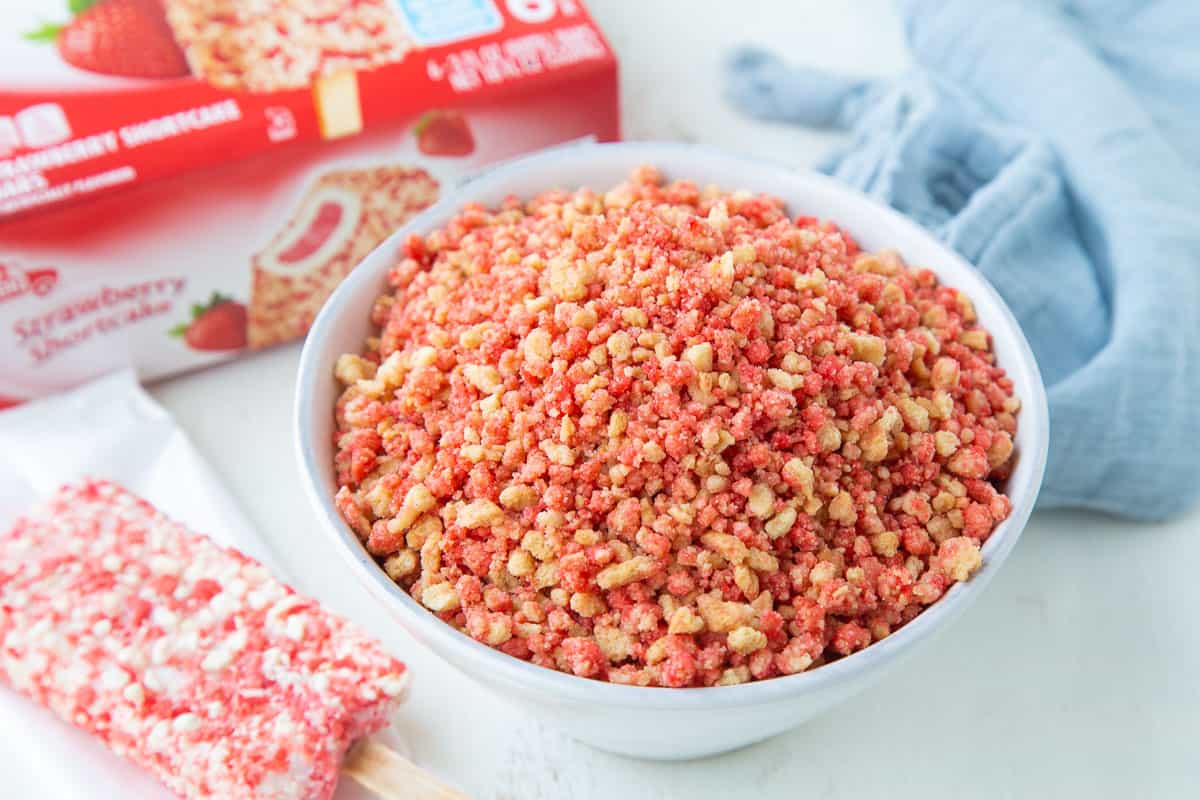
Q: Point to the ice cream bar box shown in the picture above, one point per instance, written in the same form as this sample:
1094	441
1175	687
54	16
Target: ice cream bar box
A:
184	181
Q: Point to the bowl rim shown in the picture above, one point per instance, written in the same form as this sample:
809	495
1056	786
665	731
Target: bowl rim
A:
556	685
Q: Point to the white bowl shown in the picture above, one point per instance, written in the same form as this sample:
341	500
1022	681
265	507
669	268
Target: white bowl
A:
655	722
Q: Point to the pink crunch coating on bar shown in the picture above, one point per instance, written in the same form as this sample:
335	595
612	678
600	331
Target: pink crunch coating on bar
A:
667	436
269	45
184	657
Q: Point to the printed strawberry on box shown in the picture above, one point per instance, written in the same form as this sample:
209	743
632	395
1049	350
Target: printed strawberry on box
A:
183	181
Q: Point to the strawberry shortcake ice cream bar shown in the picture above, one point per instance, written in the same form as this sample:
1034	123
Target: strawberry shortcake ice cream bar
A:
344	215
184	657
273	45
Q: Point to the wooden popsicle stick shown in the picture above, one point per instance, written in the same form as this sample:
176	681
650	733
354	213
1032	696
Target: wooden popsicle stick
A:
392	776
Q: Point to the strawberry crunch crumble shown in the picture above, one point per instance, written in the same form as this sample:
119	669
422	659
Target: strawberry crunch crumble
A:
184	657
667	436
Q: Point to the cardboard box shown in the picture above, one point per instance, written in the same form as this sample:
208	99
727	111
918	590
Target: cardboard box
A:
205	199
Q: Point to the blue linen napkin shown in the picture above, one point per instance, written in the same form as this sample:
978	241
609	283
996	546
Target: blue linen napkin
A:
1055	145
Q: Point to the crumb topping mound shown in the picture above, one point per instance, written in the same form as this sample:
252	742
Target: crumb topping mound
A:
669	436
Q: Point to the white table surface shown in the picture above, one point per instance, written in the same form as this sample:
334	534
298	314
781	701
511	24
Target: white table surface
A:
1076	675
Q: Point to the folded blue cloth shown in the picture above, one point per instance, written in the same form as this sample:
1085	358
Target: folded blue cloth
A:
1056	145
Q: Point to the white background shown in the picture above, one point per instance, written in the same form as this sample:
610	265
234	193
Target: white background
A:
1076	675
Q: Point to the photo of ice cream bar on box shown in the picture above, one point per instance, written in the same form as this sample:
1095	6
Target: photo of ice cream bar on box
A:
190	659
265	46
342	216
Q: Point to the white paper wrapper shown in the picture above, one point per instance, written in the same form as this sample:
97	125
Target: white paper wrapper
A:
110	429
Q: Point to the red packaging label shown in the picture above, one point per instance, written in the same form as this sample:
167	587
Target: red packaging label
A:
183	180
